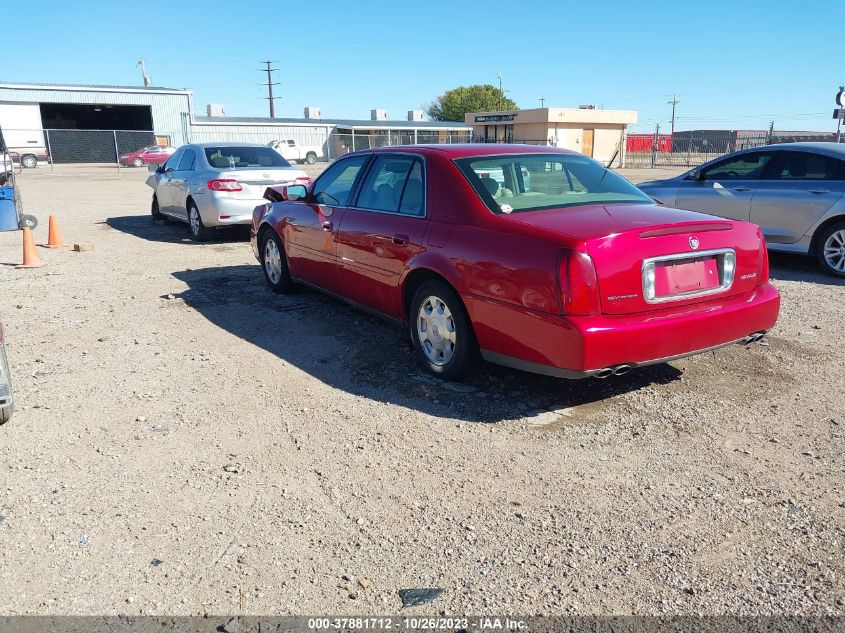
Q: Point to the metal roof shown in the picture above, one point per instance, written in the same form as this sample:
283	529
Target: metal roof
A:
96	87
362	124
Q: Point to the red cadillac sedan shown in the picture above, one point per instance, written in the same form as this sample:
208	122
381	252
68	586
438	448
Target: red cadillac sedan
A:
531	257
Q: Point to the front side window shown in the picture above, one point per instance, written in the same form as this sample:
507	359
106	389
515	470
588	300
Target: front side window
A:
808	166
393	184
335	185
234	157
531	182
746	167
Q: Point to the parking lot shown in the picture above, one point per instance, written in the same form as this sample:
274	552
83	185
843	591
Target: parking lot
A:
188	442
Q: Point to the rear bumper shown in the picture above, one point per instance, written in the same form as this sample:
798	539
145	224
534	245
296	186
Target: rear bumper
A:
218	211
579	347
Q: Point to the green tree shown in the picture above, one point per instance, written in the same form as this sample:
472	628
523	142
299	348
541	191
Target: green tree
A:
453	104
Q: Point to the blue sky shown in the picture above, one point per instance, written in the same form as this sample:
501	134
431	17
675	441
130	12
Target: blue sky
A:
732	64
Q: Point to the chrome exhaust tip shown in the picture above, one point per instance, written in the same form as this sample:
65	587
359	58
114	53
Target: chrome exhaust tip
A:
753	338
621	370
604	373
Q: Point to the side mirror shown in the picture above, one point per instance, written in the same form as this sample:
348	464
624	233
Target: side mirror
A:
285	193
153	168
695	175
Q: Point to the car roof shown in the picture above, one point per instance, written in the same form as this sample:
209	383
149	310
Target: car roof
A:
835	149
464	150
227	144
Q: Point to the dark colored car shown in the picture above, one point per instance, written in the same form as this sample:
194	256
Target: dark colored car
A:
574	272
152	155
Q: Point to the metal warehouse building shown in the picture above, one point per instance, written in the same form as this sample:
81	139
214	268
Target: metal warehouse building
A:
92	123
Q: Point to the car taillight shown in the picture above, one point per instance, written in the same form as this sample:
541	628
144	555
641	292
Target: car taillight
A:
579	288
224	184
303	180
762	263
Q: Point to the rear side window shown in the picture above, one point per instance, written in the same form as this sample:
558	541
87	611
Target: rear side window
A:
233	157
393	184
173	161
808	166
187	162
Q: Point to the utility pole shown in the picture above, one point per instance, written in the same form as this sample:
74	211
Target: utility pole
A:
147	80
270	85
673	103
542	102
501	92
771	132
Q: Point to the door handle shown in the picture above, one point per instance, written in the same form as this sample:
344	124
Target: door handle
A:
328	226
742	188
819	191
400	240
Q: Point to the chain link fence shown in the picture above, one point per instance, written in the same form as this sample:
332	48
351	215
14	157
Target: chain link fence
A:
694	147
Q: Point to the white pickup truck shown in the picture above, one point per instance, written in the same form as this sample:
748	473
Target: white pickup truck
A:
292	151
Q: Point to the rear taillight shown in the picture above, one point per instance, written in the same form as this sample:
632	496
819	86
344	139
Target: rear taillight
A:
303	180
762	263
579	288
224	184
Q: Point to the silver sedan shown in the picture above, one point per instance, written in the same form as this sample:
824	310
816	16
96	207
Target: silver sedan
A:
793	191
216	185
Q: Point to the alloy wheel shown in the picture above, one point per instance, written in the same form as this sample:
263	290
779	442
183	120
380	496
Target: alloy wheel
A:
272	261
436	330
834	251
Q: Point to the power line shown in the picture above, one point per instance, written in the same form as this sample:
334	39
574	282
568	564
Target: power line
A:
270	85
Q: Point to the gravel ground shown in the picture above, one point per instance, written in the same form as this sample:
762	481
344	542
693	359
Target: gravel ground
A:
188	442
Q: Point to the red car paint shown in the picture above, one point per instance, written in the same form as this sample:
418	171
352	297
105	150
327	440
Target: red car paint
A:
505	268
153	155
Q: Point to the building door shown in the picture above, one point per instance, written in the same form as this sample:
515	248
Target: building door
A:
587	142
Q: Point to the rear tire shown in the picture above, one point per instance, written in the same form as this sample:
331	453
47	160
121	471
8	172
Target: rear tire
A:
442	333
29	161
310	158
199	231
138	162
830	250
274	262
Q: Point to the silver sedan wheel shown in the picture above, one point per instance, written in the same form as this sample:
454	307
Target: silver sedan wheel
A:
195	221
834	251
436	330
272	261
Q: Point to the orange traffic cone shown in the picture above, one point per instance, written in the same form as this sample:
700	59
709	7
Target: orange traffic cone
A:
30	256
54	240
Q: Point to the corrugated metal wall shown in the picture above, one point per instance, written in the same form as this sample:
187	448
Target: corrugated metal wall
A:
168	109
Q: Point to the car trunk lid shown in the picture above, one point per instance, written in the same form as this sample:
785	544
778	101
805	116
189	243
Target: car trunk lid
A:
254	182
649	257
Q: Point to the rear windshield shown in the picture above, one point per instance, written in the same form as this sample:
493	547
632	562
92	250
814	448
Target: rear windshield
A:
532	182
244	157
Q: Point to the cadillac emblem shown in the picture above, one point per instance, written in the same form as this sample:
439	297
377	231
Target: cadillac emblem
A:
693	242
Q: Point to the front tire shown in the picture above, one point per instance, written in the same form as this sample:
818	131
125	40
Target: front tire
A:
28	222
830	250
29	161
138	162
274	262
199	231
155	211
442	333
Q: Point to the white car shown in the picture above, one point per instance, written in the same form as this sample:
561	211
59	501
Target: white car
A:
300	153
216	185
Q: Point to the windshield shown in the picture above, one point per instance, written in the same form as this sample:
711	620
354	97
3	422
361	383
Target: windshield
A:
244	157
532	182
